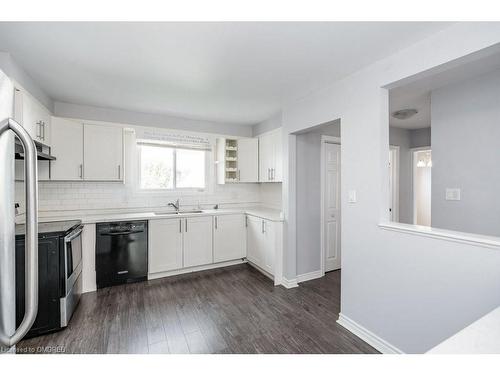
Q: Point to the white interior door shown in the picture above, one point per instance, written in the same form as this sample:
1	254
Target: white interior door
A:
332	206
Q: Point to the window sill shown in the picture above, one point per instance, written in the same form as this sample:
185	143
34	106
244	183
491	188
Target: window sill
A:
443	234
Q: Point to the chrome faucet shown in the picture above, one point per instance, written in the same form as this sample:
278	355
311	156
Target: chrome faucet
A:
175	205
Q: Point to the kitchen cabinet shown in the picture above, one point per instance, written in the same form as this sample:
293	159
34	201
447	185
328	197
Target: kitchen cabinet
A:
229	237
248	160
237	160
67	146
165	245
261	243
179	243
33	116
270	157
102	152
197	241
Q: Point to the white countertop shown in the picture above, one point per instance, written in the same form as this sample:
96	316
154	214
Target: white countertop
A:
90	217
481	337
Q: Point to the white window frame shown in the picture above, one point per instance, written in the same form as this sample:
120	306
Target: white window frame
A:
175	189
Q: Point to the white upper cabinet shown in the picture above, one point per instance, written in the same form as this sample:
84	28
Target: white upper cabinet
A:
102	152
197	241
270	157
237	160
67	147
229	237
248	160
33	116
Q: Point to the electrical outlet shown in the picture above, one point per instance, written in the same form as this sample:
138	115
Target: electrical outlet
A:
452	194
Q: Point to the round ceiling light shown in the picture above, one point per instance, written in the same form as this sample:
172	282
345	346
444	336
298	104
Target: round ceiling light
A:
404	114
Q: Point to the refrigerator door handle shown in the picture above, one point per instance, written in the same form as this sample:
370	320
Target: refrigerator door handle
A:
31	189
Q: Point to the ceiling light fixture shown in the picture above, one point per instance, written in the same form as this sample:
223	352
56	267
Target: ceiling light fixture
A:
404	114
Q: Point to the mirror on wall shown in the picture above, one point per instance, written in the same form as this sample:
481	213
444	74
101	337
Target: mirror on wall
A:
444	149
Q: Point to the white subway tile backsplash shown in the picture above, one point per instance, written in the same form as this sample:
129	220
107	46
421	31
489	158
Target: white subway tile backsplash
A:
61	196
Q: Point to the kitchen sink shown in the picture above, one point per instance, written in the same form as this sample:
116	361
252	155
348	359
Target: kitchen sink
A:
179	212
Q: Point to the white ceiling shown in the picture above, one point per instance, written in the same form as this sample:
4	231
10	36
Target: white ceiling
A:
231	72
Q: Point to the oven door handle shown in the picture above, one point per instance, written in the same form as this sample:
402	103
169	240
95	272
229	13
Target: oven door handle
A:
70	237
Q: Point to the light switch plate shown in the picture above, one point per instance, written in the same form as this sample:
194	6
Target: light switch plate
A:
452	194
352	196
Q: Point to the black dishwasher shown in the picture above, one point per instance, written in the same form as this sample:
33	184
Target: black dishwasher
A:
121	253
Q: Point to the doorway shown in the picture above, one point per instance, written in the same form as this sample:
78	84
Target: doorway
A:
330	203
422	178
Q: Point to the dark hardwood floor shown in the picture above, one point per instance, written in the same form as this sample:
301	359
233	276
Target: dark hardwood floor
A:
229	310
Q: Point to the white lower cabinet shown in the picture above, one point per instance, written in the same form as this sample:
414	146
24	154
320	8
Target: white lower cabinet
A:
261	243
165	245
197	241
179	243
229	237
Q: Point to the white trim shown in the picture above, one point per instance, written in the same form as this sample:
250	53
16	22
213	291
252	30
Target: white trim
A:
413	180
395	180
443	234
367	336
289	283
336	140
159	275
261	270
310	276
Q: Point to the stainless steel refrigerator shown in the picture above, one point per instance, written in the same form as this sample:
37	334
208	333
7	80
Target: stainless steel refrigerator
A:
9	334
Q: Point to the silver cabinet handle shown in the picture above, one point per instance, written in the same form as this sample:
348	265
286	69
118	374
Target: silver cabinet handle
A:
31	191
119	171
246	221
180	225
269	174
81	170
272	174
43	130
39	130
239	175
186	225
216	223
262	226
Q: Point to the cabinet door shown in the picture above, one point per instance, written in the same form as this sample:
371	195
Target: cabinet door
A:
254	240
102	153
33	116
229	237
197	241
268	246
277	168
67	146
266	155
248	160
165	245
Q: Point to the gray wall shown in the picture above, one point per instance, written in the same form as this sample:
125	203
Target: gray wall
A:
148	119
407	289
309	197
15	72
466	155
407	139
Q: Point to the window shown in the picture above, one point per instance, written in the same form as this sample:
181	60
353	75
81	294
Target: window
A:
170	168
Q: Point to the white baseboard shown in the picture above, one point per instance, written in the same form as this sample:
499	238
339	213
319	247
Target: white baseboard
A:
367	336
309	276
160	275
292	283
